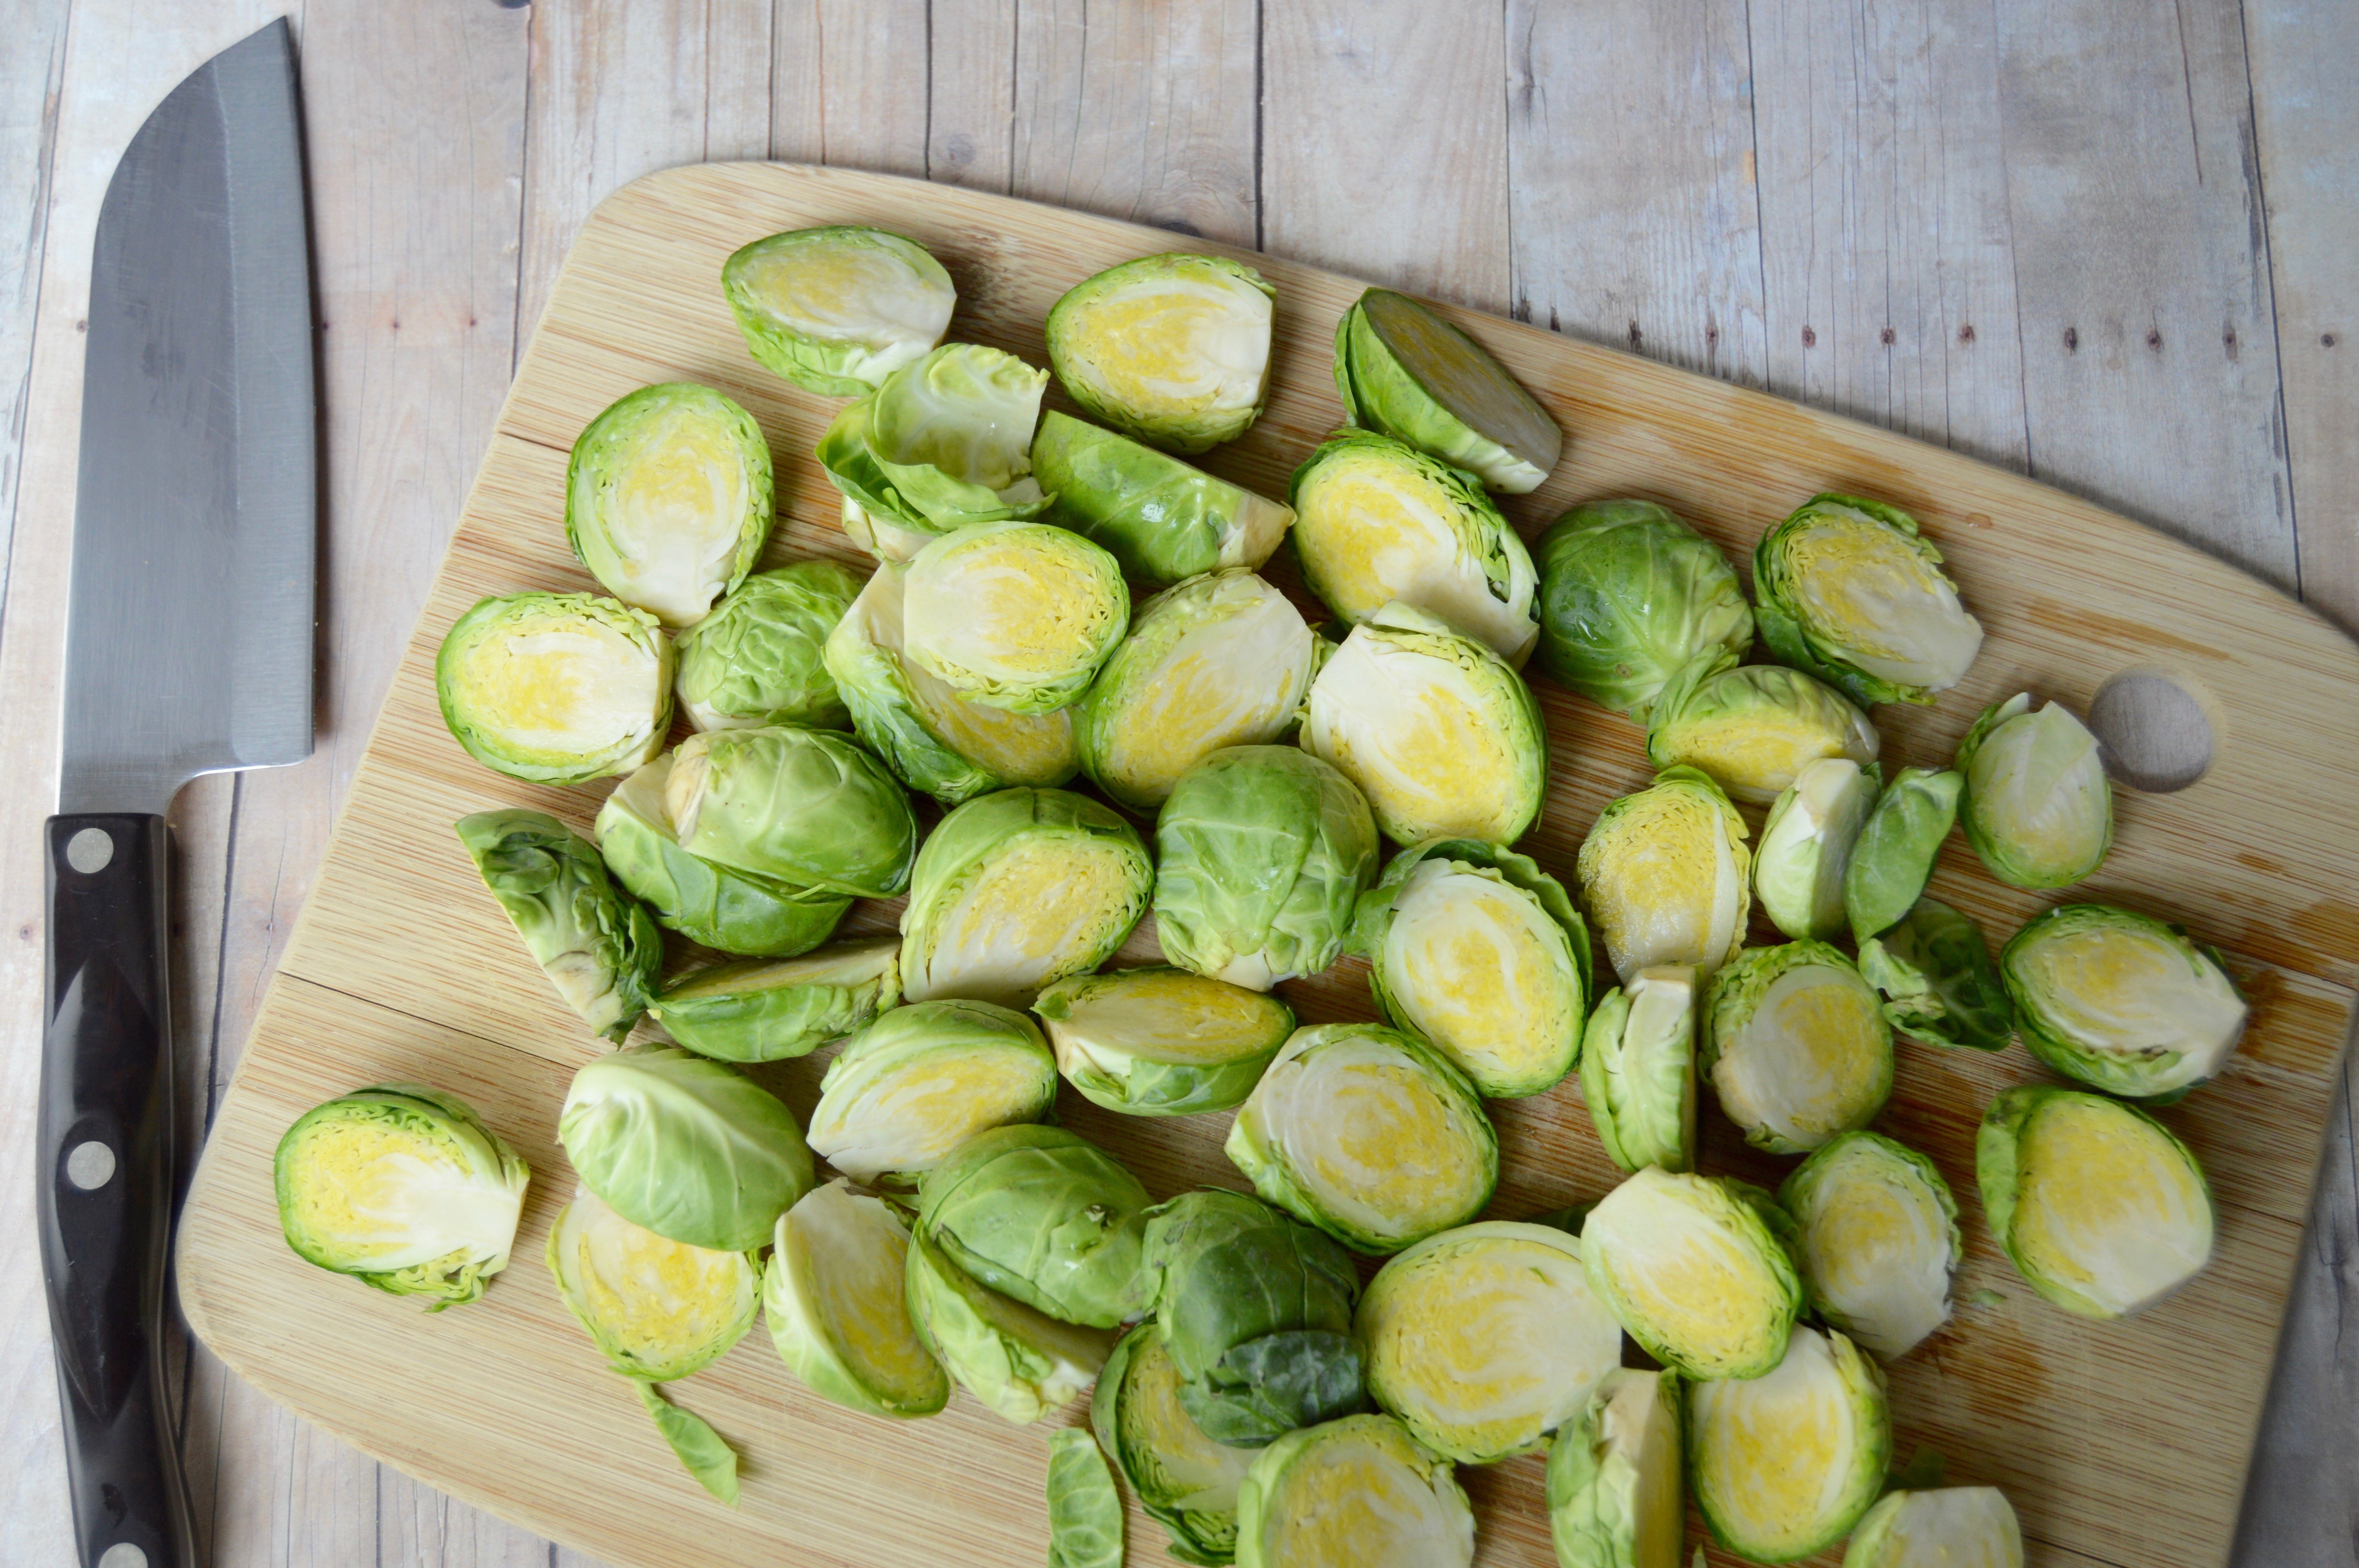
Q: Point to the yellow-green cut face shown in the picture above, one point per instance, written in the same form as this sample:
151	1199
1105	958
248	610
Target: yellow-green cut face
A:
1876	1248
855	1255
1953	1527
1863	585
1021	747
1362	1501
1665	882
1168	1015
1174	346
1813	1053
673	514
915	1111
851	293
1639	1424
388	1197
1481	971
651	1303
1777	1453
1236	679
1422	742
1380	531
2106	1207
1756	752
999	603
1193	1473
1032	914
555	687
1368	1133
1683	1269
2128	991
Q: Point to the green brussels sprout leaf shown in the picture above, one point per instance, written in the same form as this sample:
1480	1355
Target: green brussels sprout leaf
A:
594	941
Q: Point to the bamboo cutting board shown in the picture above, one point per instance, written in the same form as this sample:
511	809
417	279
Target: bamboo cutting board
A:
2120	1444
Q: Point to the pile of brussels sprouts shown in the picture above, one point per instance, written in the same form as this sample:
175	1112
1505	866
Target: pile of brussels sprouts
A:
1253	1396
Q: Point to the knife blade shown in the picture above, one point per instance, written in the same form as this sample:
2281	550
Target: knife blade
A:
189	650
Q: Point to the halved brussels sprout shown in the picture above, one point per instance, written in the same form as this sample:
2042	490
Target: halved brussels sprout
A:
1354	1493
693	1150
405	1189
594	941
1785	1463
1172	349
1613	1495
1851	592
1754	727
1638	1070
1162	1042
1795	1046
757	658
1442	737
836	311
1894	858
1700	1270
1484	1339
1185	1481
767	1012
1264	852
1662	872
924	1079
1377	520
1876	1233
803	806
1085	1517
1162	519
1475	949
668	499
1021	1364
1012	614
1939	983
658	1310
836	1295
2123	1001
1403	370
2039	808
1043	1215
944	441
1628	596
556	688
1807	845
1368	1133
1953	1527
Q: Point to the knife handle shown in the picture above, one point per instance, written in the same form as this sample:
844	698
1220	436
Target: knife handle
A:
105	1151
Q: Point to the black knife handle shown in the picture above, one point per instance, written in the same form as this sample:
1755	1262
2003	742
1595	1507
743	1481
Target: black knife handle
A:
106	1152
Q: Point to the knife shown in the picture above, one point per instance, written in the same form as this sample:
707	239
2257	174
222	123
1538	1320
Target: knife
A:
189	650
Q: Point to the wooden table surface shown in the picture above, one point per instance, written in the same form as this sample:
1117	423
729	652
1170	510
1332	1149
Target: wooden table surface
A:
2110	243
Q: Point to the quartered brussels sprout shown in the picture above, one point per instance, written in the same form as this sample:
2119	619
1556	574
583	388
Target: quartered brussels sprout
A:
1663	874
1185	1481
1403	370
761	1010
1221	660
1016	889
556	688
693	1149
1795	1046
1953	1527
1020	1363
836	1295
1442	737
1378	521
668	499
1162	519
1172	349
1085	1517
1806	843
1368	1133
1893	859
656	1310
1484	1339
1754	727
1629	596
944	441
1263	852
924	1079
2039	808
1939	983
1478	950
803	806
1638	1070
1613	1495
2123	1001
594	941
1785	1463
1876	1232
1851	591
403	1189
1161	1040
1013	614
836	311
759	658
1354	1493
1043	1215
1700	1270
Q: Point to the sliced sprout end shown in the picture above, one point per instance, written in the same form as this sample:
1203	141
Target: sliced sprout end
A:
1614	1498
1401	369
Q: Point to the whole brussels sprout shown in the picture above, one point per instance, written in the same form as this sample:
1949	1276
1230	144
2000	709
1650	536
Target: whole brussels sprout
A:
836	1296
556	688
1807	845
1171	349
1795	1046
837	309
595	942
1893	859
1043	1215
656	1310
1162	1041
807	807
1939	983
1629	595
1613	1495
1700	1270
1662	873
1768	1495
1021	1364
1358	1491
1638	1070
2123	1001
1185	1481
1754	727
2038	809
1876	1233
1163	520
1851	592
769	1011
922	1079
1014	614
1973	1526
668	499
1403	370
759	658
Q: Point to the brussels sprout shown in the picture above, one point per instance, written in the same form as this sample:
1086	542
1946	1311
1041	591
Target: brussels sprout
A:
1628	595
1185	1481
1613	1496
944	441
1170	349
1939	983
1754	727
1807	845
1850	591
836	311
1876	1233
1955	1527
1484	1339
668	499
1442	737
760	1012
803	806
1378	521
693	1150
1162	1042
556	688
924	1079
1478	950
403	1189
1021	1364
1162	519
1894	858
2123	1001
656	1310
1638	1070
1403	370
1795	1046
1043	1215
1016	889
757	658
1700	1270
1785	1463
1354	1493
2039	808
1013	615
1085	1518
596	943
1368	1133
836	1295
1264	852
1662	873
